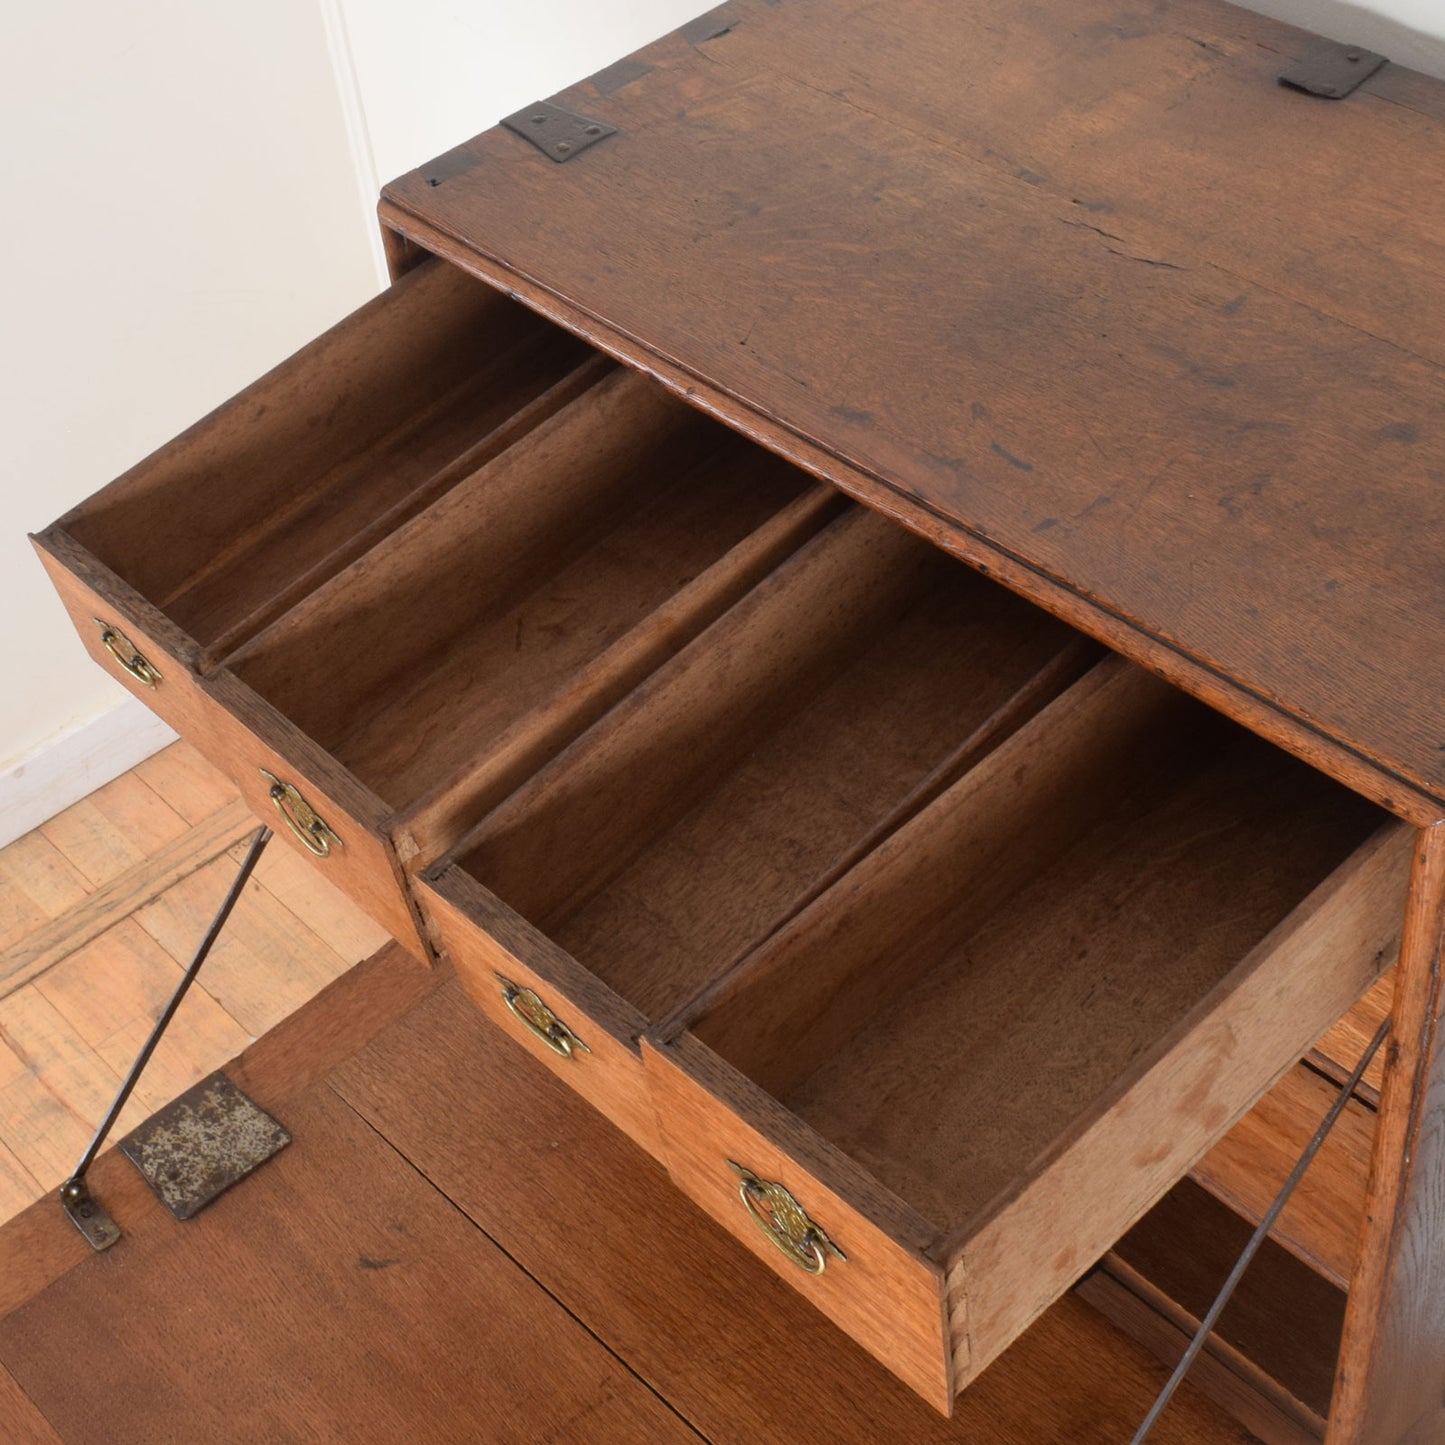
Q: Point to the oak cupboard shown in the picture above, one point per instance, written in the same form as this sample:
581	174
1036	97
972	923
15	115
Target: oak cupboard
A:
880	604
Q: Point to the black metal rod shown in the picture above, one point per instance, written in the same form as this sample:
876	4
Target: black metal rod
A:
248	865
1207	1324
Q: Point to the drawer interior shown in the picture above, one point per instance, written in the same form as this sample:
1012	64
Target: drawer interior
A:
277	490
862	677
989	980
414	661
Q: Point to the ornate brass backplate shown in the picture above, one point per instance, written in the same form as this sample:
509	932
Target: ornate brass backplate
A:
539	1019
302	819
127	654
785	1222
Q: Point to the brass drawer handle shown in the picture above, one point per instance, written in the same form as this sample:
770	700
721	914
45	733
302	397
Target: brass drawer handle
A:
539	1019
302	819
785	1222
127	654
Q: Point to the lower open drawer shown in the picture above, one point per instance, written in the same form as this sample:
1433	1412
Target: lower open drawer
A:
945	1088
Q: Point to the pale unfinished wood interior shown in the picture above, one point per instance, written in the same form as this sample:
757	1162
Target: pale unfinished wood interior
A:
861	678
973	994
410	664
284	485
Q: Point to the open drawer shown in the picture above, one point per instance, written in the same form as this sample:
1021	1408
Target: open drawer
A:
238	518
404	569
865	675
944	1089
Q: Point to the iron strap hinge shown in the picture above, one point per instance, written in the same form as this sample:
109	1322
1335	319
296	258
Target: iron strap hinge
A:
561	135
1332	70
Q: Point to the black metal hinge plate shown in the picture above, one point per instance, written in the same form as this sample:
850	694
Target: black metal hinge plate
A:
1332	70
88	1214
559	134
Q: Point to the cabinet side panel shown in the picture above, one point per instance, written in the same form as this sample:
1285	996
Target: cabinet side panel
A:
1391	1383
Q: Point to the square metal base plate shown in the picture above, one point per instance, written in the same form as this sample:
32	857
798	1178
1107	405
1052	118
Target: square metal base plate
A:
198	1146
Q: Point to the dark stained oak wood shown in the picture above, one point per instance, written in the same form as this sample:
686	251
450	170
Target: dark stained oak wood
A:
733	1350
20	1422
1083	297
1144	423
343	1298
1145	122
40	1245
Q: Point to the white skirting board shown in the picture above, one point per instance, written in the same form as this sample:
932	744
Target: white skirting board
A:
65	768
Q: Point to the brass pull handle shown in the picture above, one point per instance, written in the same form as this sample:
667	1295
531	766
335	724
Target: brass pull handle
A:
785	1222
540	1020
302	819
127	654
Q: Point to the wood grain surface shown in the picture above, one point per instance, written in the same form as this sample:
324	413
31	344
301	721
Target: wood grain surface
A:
40	1245
296	1303
337	1254
888	1293
279	487
708	1327
103	906
23	1423
1321	1223
1108	390
852	685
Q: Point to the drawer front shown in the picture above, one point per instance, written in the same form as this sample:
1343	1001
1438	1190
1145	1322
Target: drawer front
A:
542	998
127	637
332	822
764	1177
310	802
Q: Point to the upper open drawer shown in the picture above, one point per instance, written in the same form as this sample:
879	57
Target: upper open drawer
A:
390	580
947	1087
236	519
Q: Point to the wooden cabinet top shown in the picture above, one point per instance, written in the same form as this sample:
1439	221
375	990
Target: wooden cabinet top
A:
1078	289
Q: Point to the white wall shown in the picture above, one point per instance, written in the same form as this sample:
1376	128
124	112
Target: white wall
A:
1410	32
154	154
432	73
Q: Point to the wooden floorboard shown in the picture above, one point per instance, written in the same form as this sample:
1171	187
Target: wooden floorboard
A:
100	909
18	1186
46	946
38	883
